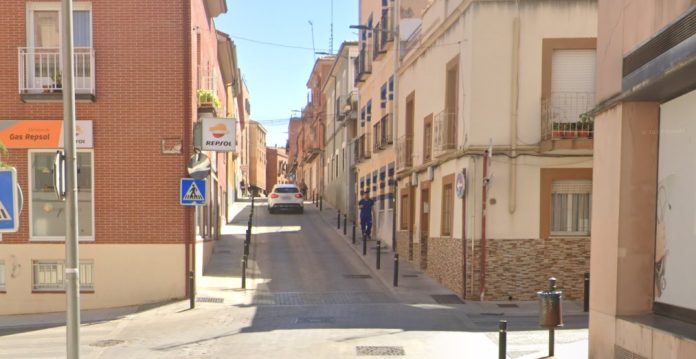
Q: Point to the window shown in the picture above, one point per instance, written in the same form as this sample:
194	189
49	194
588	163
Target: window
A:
368	111
2	276
428	138
447	205
570	207
391	88
43	25
48	275
383	96
46	212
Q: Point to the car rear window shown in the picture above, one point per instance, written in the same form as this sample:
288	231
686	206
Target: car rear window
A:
286	190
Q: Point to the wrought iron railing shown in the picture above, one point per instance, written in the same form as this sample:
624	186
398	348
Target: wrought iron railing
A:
563	115
40	70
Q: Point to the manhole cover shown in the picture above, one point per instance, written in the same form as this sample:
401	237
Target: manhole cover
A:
375	351
315	320
508	305
357	276
107	343
410	275
209	300
446	299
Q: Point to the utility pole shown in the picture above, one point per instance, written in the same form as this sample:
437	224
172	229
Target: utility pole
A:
72	272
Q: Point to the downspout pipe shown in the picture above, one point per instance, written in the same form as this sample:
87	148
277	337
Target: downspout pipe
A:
484	197
189	222
514	105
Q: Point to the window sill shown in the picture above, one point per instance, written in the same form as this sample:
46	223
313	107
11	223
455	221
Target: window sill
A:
55	97
82	291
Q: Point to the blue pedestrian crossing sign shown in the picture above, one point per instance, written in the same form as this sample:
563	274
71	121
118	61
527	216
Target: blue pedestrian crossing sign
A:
193	192
9	204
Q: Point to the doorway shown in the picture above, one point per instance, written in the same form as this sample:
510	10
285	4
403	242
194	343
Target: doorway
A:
424	224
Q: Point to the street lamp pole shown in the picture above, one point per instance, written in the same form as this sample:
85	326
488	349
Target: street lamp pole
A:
72	273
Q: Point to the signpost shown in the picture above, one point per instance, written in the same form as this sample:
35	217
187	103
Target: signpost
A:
9	203
460	185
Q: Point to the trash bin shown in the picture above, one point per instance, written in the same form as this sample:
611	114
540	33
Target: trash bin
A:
550	306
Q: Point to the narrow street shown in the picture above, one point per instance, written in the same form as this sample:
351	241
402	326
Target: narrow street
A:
309	295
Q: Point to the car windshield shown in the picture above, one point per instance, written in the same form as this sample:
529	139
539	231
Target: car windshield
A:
286	190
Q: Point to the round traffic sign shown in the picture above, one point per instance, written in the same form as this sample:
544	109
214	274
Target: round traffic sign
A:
199	166
460	185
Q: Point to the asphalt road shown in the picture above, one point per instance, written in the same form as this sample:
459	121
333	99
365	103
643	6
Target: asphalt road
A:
309	295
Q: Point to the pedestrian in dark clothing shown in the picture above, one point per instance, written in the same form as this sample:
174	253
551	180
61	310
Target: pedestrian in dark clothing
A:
366	204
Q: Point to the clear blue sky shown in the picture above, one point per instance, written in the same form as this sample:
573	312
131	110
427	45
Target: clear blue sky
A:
275	75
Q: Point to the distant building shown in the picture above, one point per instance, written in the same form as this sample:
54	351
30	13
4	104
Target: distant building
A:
276	167
257	156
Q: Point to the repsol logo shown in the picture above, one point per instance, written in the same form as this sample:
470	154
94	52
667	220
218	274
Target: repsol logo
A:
218	143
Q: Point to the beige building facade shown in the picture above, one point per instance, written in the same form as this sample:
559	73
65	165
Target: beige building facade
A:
257	156
642	297
490	97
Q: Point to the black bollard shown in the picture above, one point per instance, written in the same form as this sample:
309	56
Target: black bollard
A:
345	224
192	291
379	253
586	301
353	232
338	219
502	339
244	264
246	248
321	203
396	269
364	240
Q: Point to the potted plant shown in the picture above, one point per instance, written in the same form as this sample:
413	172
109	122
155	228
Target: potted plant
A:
57	78
586	126
207	99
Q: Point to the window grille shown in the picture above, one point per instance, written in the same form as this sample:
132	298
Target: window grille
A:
50	275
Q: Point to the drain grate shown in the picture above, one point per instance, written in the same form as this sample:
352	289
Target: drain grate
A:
376	351
316	320
410	276
357	276
107	343
210	300
508	305
446	299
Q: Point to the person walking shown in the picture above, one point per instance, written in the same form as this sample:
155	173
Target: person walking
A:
366	204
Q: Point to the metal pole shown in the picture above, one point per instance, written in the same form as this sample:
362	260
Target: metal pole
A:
192	290
72	274
338	219
353	232
586	301
244	264
394	215
379	252
502	339
345	224
551	341
321	203
364	240
396	269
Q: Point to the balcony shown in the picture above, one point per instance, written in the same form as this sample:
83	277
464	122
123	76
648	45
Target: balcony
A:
404	153
40	74
386	28
444	133
383	135
563	125
363	63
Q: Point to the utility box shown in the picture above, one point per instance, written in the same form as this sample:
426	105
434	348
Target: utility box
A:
550	306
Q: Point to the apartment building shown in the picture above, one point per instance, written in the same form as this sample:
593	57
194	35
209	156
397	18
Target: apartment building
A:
294	148
136	107
373	145
313	129
276	167
494	159
341	128
257	156
642	297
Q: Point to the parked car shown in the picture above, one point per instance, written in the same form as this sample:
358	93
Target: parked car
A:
285	197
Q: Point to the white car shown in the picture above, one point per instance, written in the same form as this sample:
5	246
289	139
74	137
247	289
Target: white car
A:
285	196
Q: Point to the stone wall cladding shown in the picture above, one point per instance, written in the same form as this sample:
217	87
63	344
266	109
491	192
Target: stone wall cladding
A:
515	268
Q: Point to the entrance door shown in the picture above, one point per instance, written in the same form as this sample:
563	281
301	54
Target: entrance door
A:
424	226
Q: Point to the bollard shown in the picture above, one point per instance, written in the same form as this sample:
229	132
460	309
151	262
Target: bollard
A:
338	219
379	253
353	232
345	224
502	339
321	203
396	269
586	301
244	264
364	245
552	340
192	291
246	248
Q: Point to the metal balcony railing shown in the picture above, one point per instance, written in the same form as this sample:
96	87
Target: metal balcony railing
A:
562	115
404	152
444	132
376	42
363	62
386	32
40	70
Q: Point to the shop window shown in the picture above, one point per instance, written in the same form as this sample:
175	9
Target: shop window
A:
47	212
570	207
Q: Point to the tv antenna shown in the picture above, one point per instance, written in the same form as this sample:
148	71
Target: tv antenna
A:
314	50
331	37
